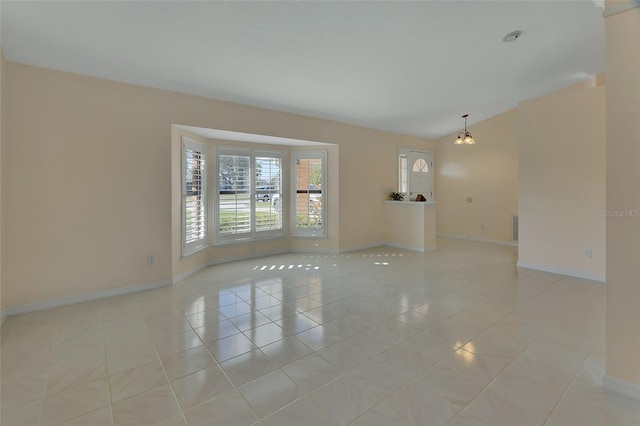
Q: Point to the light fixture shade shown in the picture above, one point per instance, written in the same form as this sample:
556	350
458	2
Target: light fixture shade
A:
465	138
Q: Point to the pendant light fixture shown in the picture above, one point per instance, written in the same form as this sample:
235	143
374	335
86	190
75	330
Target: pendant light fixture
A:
465	138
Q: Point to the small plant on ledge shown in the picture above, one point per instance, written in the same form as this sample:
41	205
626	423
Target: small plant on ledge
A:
397	196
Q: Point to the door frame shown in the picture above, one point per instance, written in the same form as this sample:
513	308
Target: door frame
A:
404	152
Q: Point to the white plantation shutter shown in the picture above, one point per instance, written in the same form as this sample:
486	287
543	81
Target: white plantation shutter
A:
248	204
194	196
234	206
268	193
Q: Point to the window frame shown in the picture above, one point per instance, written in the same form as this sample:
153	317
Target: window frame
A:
403	173
320	232
267	233
191	247
253	233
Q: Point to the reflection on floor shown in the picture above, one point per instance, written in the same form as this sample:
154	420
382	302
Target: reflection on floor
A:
378	337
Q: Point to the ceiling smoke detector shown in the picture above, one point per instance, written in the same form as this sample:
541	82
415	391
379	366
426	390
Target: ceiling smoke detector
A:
512	36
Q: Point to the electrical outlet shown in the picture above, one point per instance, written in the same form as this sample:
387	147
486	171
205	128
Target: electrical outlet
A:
151	260
588	253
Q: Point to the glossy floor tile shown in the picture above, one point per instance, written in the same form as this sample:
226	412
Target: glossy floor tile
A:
384	336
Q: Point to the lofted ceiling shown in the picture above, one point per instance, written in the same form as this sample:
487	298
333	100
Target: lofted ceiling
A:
408	67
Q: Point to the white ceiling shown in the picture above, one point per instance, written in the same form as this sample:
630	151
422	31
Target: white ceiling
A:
407	67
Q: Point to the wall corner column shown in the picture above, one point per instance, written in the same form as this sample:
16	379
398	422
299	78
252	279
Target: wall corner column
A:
622	24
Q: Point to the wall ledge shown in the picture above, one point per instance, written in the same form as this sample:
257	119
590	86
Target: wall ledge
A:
411	203
561	271
621	387
478	239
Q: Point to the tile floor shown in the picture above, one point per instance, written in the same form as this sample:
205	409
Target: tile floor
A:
379	337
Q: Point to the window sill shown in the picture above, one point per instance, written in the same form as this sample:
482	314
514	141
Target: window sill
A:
249	240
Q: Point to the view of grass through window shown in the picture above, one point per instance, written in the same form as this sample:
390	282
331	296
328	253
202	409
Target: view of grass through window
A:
249	197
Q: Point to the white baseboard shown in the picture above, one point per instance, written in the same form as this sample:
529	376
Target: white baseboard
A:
247	256
23	309
387	243
315	250
188	273
478	239
336	250
350	249
561	271
361	247
406	247
621	387
409	247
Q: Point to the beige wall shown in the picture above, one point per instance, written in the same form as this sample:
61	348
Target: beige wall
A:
543	161
562	182
88	182
487	172
411	226
1	190
623	195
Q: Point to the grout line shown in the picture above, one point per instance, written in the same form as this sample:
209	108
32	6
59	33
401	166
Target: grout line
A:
492	380
234	388
159	360
361	289
106	365
53	353
584	360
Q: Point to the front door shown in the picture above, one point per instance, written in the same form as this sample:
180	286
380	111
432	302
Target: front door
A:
420	174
